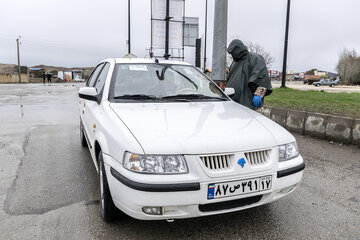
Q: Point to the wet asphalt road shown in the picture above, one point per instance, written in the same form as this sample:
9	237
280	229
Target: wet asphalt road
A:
49	186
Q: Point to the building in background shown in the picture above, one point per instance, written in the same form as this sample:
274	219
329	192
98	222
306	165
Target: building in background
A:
274	74
36	72
68	77
9	73
78	75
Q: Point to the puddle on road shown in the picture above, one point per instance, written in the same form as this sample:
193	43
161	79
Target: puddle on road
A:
63	113
54	172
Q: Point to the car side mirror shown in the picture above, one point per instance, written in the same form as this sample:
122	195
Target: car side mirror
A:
88	93
229	91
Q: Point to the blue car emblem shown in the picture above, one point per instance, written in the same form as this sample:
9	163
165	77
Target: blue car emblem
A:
241	162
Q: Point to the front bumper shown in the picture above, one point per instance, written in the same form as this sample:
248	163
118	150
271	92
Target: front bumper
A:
185	196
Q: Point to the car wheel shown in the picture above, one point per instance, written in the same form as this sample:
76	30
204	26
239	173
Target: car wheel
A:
332	85
317	85
82	136
107	207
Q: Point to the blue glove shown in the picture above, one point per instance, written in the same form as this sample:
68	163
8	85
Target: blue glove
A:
257	101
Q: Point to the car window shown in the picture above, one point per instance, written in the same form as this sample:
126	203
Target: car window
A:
161	80
100	81
94	75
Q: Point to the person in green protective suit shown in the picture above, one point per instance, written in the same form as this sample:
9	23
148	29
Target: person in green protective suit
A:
248	75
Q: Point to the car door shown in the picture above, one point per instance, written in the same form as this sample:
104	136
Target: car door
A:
84	104
94	108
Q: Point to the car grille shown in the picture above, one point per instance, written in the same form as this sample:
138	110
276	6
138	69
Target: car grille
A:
217	162
210	207
257	158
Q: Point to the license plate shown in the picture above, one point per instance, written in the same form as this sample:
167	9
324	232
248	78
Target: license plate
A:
244	186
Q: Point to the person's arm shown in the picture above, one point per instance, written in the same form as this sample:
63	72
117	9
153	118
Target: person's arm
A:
260	91
257	81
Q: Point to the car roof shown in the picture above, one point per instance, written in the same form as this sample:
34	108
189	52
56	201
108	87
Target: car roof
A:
148	60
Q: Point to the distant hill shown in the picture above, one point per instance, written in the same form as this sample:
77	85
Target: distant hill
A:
12	68
57	68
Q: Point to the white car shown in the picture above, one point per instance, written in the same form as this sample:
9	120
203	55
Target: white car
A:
168	143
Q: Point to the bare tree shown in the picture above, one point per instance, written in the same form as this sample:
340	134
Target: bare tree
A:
257	48
348	66
254	48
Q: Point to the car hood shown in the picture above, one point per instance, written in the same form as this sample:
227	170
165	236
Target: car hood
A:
194	128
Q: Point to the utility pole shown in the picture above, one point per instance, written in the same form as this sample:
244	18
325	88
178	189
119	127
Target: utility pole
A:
283	79
18	57
206	8
220	41
129	47
167	22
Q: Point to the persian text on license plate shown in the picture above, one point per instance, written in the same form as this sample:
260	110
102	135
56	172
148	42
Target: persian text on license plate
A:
251	185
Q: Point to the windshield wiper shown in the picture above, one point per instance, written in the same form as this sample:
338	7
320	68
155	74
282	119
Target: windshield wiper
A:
187	78
193	96
161	76
137	97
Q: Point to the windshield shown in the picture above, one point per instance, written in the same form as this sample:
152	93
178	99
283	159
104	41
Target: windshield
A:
161	82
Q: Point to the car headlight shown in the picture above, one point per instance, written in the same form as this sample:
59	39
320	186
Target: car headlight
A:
288	151
156	164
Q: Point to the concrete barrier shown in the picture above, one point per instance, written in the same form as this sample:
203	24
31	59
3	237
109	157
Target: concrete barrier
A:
266	111
315	124
295	121
356	132
339	129
336	128
279	115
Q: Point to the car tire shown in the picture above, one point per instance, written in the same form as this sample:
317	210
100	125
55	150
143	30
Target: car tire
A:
317	85
107	207
82	136
332	85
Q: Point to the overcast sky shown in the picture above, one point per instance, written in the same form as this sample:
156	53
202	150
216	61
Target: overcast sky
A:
83	32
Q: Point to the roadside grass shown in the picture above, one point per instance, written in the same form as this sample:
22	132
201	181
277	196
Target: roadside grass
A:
340	104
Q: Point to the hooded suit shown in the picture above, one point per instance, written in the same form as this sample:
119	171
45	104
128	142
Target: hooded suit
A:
247	72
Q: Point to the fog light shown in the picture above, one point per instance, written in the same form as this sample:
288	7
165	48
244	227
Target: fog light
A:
152	210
